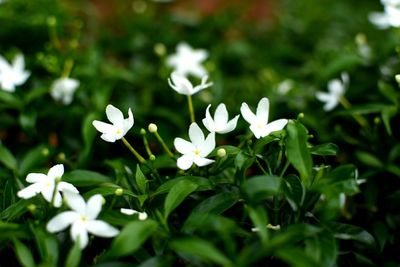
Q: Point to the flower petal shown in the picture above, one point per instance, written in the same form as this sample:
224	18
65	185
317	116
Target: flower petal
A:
78	232
61	221
185	162
64	186
183	146
103	127
93	206
247	114
196	134
101	229
208	145
199	161
35	177
75	202
47	190
262	112
109	137
56	171
230	126
276	125
29	191
19	62
208	121
114	115
128	122
221	115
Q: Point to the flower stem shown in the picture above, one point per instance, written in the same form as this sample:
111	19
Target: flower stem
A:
68	64
360	119
146	143
165	147
53	197
134	152
191	110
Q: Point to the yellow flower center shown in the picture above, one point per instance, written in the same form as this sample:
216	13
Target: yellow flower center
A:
196	152
118	132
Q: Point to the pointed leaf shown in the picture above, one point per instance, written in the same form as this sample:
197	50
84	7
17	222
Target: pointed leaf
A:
131	237
85	178
141	180
24	254
203	249
7	158
177	194
328	149
261	187
297	151
74	256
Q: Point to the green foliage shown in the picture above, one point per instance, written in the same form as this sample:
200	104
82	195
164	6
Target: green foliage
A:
322	191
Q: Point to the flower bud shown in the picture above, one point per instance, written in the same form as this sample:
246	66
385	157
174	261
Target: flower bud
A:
160	49
142	216
300	116
119	192
45	152
152	128
397	77
152	157
221	152
273	227
51	21
32	208
142	131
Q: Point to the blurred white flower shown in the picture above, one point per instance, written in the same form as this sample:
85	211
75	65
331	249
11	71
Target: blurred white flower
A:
196	150
220	123
183	86
63	89
141	215
188	61
119	126
13	75
390	17
285	86
336	88
82	219
45	184
259	122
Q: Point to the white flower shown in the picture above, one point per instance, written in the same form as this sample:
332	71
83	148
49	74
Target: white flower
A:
259	122
119	126
82	219
13	75
389	18
196	150
220	123
45	184
188	60
183	86
141	215
336	88
63	89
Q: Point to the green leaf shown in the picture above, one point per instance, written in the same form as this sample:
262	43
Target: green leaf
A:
74	256
141	180
88	135
10	100
243	161
387	114
296	257
15	210
216	204
203	184
131	237
328	149
261	187
294	191
177	194
230	151
24	254
34	157
47	245
260	144
368	159
203	249
388	91
7	158
260	221
85	178
297	151
11	230
322	248
351	232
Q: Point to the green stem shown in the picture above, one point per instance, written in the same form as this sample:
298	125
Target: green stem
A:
69	63
146	144
53	197
360	119
191	110
134	152
165	147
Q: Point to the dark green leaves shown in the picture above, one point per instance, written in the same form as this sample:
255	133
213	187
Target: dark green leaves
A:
177	194
262	187
297	151
85	178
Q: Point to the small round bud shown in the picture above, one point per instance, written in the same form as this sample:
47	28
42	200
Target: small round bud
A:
142	216
377	120
152	128
45	152
152	157
300	116
51	21
32	208
119	192
142	131
103	200
361	39
61	156
273	227
397	77
160	49
221	152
